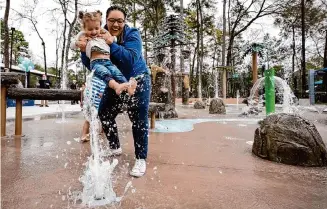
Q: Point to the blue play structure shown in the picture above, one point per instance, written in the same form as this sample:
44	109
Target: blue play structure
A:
26	102
318	86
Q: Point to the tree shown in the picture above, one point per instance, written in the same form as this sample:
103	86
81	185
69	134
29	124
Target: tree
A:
199	23
289	20
59	39
20	45
255	49
224	50
325	51
6	35
29	13
243	15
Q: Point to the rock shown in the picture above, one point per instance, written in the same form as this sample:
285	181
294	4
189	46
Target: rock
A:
250	111
217	106
168	112
245	101
199	105
289	139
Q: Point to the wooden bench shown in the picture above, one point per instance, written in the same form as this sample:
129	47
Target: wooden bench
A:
7	90
9	79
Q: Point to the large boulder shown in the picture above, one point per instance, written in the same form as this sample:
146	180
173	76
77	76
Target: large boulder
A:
199	105
217	106
289	139
168	112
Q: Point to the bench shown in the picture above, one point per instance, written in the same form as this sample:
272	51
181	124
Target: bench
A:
7	90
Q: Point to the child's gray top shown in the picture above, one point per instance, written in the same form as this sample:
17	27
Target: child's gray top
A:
95	44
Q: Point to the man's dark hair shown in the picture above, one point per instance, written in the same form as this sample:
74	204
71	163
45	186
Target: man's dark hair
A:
113	8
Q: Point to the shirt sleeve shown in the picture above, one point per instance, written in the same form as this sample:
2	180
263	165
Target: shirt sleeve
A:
85	60
74	40
131	51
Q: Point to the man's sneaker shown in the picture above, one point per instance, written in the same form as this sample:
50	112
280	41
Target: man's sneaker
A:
115	152
139	168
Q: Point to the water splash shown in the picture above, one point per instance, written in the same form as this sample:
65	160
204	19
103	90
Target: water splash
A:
237	98
284	95
97	177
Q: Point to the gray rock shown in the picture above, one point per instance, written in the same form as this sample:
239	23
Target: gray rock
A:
199	105
217	106
250	111
289	139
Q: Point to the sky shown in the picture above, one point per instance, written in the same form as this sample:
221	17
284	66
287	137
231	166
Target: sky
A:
47	27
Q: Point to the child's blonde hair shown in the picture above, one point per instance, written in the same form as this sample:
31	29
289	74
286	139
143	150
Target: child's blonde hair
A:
90	16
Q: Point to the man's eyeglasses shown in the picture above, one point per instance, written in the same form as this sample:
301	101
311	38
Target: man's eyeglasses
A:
119	20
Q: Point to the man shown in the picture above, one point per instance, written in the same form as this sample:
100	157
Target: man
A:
73	86
44	84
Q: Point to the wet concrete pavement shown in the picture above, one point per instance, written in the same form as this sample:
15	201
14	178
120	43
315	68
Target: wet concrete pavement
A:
209	167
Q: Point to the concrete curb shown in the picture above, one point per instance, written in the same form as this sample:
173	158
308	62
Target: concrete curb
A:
45	116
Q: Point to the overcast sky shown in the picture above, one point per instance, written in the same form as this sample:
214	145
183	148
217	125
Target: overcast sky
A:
47	28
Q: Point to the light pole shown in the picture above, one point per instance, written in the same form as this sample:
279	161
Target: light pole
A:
12	42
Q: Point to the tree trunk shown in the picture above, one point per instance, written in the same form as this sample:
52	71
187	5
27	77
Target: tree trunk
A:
44	58
61	75
198	45
173	71
181	46
303	48
224	50
202	53
57	55
134	15
39	94
192	69
6	38
70	31
254	67
34	22
293	57
146	45
325	53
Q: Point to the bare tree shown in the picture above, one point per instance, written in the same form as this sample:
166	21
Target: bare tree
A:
59	37
202	48
29	14
224	49
68	8
70	32
325	51
6	36
244	13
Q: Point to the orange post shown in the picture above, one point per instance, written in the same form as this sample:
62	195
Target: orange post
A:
254	67
153	120
3	103
19	117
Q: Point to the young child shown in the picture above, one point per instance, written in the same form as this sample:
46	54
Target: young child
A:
99	53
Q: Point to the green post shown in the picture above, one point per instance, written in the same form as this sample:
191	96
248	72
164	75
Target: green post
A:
270	91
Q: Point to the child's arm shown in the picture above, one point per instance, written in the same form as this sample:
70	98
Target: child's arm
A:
79	41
